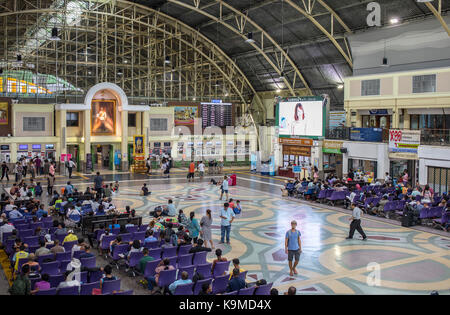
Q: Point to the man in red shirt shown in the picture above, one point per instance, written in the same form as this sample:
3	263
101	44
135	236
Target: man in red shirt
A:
191	171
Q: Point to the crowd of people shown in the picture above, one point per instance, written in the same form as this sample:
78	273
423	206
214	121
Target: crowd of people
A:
168	226
372	195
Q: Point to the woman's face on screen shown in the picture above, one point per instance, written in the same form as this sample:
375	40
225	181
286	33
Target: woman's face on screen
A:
299	112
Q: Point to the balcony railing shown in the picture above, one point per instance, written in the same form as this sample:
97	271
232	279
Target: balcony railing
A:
428	136
435	137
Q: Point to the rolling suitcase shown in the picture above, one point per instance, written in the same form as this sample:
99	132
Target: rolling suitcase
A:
233	179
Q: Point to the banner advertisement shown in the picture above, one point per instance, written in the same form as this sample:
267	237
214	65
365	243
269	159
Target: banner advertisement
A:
366	134
404	144
337	119
333	147
138	145
301	117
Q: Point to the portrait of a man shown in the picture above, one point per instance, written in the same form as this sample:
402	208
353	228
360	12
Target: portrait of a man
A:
103	117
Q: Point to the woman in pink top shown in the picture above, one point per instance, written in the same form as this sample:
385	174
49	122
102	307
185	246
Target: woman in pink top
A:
44	284
405	177
52	170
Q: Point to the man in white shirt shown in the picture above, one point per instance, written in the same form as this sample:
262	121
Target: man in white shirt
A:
5	228
10	205
68	282
201	169
224	187
70	166
356	223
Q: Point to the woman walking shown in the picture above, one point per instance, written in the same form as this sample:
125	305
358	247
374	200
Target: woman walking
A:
205	224
193	227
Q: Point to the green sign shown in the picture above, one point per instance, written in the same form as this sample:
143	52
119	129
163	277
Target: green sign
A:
332	151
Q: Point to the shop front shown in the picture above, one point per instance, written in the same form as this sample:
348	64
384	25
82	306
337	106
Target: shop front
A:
363	168
31	150
295	152
332	157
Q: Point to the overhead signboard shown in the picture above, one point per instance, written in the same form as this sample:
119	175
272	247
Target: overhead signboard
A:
366	134
404	144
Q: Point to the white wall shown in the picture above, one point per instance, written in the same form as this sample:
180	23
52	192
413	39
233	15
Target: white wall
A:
367	151
432	156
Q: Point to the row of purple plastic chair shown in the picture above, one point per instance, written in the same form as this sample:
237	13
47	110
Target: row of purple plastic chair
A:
108	287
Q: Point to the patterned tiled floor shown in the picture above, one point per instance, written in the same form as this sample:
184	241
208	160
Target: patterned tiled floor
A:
395	260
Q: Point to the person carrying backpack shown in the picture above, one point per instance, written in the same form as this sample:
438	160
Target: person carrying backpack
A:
22	284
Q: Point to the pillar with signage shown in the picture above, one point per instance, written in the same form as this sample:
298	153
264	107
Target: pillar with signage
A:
403	153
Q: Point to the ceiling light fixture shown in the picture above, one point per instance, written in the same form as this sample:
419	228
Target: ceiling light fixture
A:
340	86
394	20
423	1
55	34
250	39
282	75
167	61
19	58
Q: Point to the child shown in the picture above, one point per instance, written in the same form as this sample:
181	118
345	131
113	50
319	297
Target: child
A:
116	187
144	190
237	208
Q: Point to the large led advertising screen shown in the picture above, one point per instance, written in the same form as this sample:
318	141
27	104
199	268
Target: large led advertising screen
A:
301	117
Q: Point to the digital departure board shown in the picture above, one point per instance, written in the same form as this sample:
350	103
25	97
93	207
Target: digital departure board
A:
217	114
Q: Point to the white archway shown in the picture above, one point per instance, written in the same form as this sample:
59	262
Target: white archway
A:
122	99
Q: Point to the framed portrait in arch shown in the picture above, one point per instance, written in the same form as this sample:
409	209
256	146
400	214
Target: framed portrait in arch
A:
103	117
138	145
4	114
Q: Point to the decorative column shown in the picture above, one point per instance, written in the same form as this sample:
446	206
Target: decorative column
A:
146	131
124	143
61	145
406	120
87	138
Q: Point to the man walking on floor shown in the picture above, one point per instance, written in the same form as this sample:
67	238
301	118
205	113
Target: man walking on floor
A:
293	247
356	223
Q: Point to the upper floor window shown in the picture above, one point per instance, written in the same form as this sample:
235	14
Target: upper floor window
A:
72	119
424	83
131	119
370	87
33	123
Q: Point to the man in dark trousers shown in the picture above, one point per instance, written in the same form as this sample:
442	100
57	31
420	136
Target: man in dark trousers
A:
5	170
356	223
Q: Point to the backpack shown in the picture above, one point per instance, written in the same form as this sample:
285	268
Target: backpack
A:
237	210
19	286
